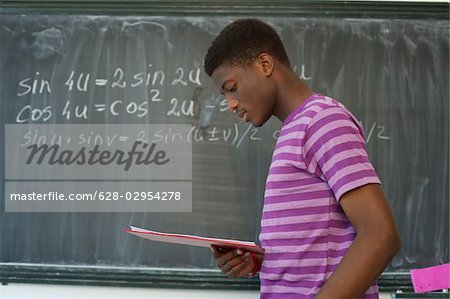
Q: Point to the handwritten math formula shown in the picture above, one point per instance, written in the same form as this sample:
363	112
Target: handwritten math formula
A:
152	84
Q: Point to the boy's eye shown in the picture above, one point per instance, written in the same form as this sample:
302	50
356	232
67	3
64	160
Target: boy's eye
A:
233	88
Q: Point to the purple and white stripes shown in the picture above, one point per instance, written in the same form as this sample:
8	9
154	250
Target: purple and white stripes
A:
320	155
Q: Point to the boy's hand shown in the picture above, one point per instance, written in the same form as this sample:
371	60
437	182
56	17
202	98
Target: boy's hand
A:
235	262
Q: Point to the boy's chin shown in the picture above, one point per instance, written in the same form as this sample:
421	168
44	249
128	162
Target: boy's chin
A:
259	122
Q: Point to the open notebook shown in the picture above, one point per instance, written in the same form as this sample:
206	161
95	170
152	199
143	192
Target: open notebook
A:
193	240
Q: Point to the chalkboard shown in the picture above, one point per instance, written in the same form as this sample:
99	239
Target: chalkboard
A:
85	69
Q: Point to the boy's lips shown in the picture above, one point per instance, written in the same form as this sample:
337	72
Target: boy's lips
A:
242	114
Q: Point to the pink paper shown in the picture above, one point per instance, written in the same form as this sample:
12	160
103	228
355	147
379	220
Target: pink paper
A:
431	279
193	240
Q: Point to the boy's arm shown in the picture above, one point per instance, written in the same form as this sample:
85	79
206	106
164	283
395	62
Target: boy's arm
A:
375	244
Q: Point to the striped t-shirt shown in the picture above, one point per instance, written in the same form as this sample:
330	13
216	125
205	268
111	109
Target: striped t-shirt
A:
320	154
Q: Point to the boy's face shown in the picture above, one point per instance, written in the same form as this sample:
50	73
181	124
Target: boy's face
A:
248	91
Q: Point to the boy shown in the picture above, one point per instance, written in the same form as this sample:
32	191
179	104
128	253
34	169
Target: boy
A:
326	228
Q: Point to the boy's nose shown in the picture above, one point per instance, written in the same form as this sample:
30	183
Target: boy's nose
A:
232	104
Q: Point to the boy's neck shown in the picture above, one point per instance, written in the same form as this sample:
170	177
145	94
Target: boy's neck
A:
292	93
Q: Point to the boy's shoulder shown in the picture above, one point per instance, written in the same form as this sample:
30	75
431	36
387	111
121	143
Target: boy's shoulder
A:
320	109
316	104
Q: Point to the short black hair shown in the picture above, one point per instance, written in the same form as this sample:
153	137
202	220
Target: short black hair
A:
241	42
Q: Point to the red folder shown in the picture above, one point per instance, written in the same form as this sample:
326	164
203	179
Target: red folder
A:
193	240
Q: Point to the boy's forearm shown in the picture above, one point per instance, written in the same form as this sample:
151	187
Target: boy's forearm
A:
365	260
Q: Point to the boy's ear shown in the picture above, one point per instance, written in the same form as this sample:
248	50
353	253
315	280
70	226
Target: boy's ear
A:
266	63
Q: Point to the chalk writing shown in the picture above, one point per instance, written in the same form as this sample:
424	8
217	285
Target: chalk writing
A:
35	86
153	79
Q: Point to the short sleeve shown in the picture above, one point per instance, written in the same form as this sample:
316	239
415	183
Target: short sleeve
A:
334	150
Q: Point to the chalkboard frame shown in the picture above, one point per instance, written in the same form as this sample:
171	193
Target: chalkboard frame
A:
398	283
201	279
154	278
304	8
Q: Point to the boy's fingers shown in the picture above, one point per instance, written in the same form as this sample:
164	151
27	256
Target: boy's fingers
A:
215	251
234	271
244	269
235	266
219	251
227	257
233	262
